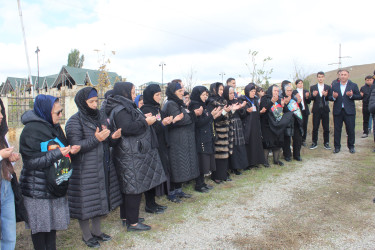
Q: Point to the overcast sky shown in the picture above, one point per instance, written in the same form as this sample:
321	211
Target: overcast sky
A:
207	37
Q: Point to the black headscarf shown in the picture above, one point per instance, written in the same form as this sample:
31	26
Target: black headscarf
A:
226	95
123	89
249	88
3	126
195	97
214	89
108	93
148	95
269	90
170	92
92	115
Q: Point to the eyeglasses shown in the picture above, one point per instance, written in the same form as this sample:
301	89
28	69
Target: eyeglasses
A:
58	112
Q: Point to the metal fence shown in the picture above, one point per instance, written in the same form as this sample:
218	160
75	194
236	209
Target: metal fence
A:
17	106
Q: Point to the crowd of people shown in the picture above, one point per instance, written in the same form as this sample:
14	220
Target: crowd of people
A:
132	145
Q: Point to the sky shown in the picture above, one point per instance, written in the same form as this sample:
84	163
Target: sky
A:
206	40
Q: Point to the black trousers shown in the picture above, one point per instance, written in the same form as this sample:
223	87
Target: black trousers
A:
349	121
44	241
318	116
150	198
305	118
129	208
366	118
199	181
297	143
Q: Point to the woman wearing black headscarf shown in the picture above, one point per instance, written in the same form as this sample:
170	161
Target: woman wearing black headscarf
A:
295	128
237	155
151	100
8	213
222	143
252	129
135	156
93	187
181	137
204	136
273	123
43	146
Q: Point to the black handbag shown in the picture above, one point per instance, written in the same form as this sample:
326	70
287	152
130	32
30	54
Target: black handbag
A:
21	213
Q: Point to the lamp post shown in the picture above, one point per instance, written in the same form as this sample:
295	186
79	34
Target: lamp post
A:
162	64
37	58
222	74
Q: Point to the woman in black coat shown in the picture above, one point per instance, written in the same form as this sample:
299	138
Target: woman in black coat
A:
43	146
183	157
273	123
252	129
93	187
135	155
204	136
295	130
151	105
221	123
237	155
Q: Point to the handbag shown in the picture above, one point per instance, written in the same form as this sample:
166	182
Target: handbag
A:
59	172
21	213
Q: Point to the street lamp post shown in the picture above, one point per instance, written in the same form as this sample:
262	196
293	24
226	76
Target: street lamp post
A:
222	74
37	57
162	64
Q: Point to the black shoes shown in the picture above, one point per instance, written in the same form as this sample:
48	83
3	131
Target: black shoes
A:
228	179
236	172
183	195
154	210
326	146
92	242
138	228
209	187
337	150
160	207
266	165
103	237
140	220
280	163
352	150
298	158
313	146
288	159
202	190
174	198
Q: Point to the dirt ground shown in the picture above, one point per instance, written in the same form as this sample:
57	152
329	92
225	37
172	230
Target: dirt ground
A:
325	202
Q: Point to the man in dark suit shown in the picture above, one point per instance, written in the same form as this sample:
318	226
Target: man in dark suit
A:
320	110
305	96
365	93
343	94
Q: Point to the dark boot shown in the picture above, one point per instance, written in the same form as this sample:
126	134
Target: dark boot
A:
266	153
276	157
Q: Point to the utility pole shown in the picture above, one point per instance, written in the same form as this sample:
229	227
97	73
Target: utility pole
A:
37	58
162	64
340	57
222	74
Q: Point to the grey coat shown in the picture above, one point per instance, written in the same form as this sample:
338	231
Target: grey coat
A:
93	187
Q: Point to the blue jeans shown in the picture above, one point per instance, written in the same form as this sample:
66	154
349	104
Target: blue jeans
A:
8	217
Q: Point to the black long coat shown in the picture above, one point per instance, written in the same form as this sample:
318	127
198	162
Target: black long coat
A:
93	187
135	156
183	156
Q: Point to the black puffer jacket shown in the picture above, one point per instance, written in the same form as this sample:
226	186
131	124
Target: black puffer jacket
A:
371	104
182	152
33	178
137	162
93	187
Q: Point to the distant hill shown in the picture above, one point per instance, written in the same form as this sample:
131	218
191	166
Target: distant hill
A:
357	74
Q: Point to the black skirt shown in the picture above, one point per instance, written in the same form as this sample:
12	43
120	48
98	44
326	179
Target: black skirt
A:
221	172
206	163
238	159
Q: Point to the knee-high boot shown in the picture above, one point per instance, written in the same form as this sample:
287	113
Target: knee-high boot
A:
276	156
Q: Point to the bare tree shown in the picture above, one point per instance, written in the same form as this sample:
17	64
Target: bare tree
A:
299	72
190	79
258	72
